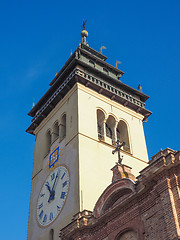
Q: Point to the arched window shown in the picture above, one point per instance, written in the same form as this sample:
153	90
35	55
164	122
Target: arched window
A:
48	141
51	234
100	124
55	133
122	134
110	127
63	127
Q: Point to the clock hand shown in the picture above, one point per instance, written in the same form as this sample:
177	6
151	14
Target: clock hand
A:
52	194
55	181
48	187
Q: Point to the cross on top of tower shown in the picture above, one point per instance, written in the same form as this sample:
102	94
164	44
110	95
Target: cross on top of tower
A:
84	24
84	33
118	149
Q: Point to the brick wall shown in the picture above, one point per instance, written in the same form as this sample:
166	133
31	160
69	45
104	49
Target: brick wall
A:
146	210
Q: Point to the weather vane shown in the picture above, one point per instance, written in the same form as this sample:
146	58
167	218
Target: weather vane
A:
84	24
140	88
102	47
118	62
118	149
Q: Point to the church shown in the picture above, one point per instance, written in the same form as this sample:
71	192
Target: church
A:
91	175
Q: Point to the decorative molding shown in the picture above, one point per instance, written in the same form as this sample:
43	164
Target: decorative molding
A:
107	86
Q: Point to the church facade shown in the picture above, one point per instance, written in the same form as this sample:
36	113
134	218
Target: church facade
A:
78	124
147	209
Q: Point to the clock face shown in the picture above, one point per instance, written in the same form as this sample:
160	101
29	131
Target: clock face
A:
53	195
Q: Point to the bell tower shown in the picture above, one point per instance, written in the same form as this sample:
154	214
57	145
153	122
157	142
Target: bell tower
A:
76	124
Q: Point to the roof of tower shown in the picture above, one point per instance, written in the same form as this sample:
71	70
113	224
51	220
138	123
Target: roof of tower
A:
88	67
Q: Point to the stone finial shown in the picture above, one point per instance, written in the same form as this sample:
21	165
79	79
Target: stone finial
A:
121	171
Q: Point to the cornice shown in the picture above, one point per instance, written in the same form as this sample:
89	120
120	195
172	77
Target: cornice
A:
125	97
96	84
111	102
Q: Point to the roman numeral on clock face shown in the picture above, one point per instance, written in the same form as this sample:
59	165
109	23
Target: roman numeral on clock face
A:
45	218
41	214
51	216
40	206
63	194
63	175
58	208
52	176
64	184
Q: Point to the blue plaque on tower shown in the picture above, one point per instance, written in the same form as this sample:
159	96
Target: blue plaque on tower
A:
54	157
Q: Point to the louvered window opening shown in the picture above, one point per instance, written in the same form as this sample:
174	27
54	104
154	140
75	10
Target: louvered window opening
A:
108	131
100	132
118	134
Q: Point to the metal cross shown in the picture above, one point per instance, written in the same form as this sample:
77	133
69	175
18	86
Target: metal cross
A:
117	149
84	24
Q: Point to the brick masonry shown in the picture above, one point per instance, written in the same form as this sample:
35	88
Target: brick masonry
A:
148	209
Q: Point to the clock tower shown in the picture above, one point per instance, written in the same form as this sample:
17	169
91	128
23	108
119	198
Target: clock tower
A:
76	125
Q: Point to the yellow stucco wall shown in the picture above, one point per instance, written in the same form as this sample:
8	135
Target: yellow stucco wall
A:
69	157
88	160
95	157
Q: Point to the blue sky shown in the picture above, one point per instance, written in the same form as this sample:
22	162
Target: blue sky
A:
36	40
